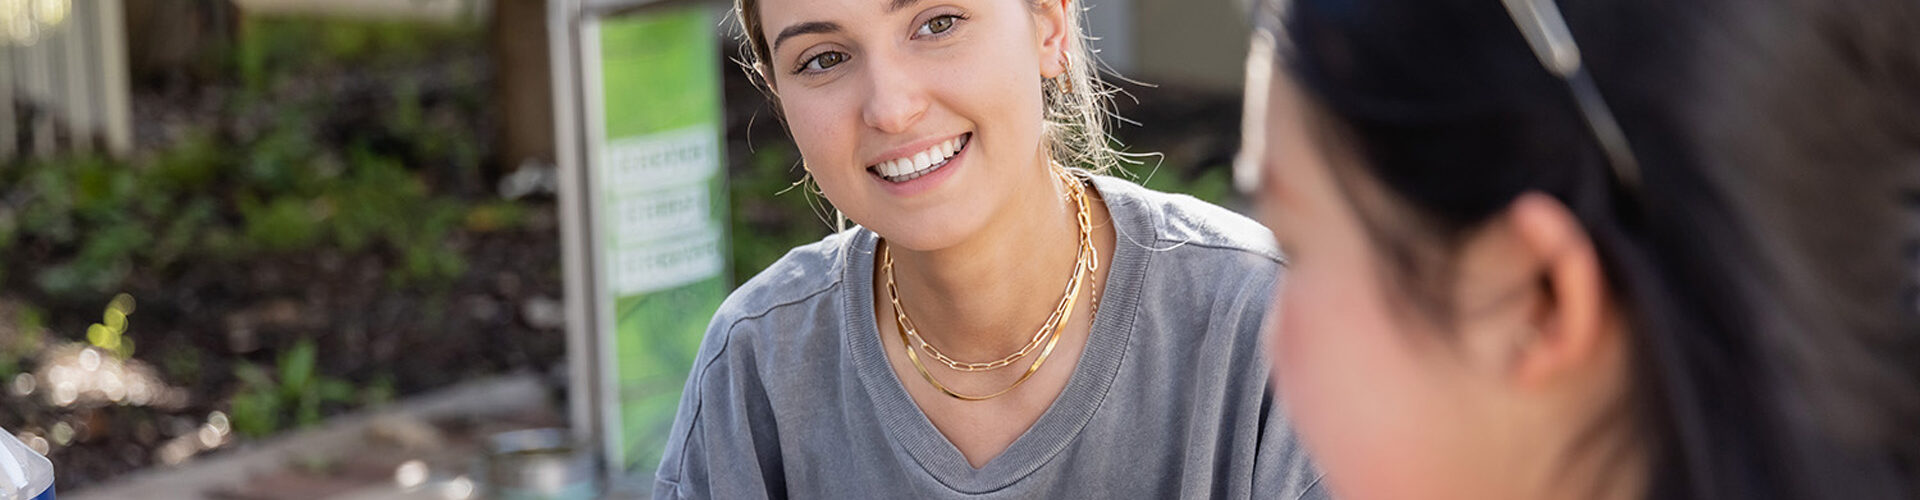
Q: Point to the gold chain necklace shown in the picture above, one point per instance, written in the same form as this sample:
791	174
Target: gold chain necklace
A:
1064	307
1087	262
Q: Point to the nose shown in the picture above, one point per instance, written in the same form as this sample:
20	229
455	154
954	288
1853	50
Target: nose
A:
895	99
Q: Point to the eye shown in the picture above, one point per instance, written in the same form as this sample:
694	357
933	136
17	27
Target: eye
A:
938	25
824	61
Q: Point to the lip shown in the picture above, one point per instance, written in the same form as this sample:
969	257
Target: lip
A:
908	149
926	182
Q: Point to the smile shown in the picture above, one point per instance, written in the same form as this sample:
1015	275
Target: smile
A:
922	163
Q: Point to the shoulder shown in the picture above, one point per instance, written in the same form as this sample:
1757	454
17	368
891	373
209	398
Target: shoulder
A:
1197	263
785	314
1182	220
804	274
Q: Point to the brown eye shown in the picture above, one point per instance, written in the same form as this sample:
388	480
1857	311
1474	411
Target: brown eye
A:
938	25
825	61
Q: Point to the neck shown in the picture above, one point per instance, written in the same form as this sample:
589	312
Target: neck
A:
1599	448
1605	463
986	296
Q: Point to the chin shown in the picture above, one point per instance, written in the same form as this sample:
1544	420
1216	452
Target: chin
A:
925	232
920	238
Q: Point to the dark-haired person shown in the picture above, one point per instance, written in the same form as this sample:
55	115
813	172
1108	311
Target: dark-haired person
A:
1000	325
1595	248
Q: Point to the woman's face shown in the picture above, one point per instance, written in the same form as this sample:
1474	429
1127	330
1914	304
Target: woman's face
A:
919	119
1386	410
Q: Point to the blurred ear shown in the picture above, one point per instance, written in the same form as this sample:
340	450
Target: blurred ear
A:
1050	23
1572	325
1534	294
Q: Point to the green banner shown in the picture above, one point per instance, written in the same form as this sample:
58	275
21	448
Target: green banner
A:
663	207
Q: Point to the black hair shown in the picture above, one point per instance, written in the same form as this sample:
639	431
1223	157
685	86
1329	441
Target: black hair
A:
1767	257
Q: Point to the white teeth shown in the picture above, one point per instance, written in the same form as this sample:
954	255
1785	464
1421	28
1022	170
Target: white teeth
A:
921	163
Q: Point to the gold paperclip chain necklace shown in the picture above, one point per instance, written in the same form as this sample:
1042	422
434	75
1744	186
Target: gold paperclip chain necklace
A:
1049	334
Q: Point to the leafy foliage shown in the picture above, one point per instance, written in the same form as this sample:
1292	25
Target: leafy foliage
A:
297	390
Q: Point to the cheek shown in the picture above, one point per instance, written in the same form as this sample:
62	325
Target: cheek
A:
822	127
826	134
991	81
1009	115
1368	411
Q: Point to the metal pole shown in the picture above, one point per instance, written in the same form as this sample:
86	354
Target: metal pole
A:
583	387
593	114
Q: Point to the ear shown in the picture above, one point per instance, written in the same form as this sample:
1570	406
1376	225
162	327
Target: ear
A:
1574	323
1051	26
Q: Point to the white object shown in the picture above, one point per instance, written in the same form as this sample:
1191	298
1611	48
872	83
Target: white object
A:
24	474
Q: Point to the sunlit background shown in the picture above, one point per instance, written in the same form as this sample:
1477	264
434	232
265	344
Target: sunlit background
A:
326	232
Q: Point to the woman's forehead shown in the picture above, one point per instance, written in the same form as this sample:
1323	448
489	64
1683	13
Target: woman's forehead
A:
827	10
784	19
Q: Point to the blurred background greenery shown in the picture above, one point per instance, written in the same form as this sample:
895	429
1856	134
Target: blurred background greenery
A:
323	214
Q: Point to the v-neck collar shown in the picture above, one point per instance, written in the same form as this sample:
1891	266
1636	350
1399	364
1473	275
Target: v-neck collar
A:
1092	377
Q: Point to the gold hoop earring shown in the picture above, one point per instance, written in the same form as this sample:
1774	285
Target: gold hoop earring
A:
1064	81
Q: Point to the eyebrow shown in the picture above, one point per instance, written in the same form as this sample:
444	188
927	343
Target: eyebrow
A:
817	27
896	5
807	28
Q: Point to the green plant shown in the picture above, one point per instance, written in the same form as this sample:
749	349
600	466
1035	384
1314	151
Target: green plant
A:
88	207
297	389
29	330
285	157
269	48
496	216
9	229
382	202
380	391
284	224
773	210
189	165
181	364
1213	185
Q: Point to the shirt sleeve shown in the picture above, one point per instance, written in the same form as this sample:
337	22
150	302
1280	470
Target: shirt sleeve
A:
1281	467
724	443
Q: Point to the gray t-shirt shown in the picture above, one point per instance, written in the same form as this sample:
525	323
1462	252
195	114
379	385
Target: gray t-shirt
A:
792	396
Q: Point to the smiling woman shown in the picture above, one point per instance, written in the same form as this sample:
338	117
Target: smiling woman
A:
999	324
